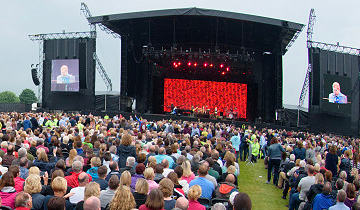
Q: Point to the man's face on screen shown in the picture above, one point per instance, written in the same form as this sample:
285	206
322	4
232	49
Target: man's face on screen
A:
64	70
336	88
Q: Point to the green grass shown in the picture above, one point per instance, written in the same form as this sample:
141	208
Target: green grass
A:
263	196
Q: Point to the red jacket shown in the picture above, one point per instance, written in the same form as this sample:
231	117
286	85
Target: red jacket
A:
72	180
19	184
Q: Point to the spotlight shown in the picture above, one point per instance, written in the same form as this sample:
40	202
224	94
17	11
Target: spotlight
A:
189	63
211	65
179	63
195	64
227	69
223	73
174	64
221	65
205	64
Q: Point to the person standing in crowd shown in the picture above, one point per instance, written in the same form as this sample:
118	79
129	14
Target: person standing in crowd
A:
274	152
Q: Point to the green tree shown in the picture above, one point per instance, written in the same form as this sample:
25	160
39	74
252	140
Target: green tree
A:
8	97
27	96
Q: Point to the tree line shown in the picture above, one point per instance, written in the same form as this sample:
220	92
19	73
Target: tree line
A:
27	96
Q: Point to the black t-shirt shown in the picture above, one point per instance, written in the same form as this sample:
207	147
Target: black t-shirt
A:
139	199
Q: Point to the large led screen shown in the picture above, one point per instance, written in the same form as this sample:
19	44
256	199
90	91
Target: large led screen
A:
65	75
337	97
188	94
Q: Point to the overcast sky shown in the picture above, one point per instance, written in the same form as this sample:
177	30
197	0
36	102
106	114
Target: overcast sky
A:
337	21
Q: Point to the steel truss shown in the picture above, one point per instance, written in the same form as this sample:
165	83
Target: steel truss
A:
63	35
305	87
335	48
100	68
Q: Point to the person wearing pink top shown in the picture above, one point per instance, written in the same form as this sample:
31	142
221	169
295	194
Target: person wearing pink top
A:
188	175
149	175
193	195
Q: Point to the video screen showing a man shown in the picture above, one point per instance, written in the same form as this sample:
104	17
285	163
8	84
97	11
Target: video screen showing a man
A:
65	75
336	96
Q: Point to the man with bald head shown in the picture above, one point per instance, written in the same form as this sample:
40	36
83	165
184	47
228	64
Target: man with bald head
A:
92	203
225	189
182	203
78	196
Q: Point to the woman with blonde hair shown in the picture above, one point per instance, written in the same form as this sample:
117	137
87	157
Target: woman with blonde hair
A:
125	178
188	175
149	175
95	163
193	195
33	187
123	199
34	170
70	159
141	191
59	186
91	189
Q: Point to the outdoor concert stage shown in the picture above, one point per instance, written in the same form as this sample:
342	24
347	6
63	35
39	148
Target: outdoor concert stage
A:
222	63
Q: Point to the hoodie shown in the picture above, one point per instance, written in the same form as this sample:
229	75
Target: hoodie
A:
93	172
224	190
124	152
8	195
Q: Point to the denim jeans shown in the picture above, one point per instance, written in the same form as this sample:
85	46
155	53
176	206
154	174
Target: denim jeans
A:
274	163
294	201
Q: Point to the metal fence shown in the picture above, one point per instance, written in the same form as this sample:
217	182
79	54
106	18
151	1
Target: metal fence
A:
15	107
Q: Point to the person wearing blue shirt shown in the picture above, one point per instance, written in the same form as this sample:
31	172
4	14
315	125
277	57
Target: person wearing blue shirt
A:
195	131
207	187
235	141
161	156
27	123
336	96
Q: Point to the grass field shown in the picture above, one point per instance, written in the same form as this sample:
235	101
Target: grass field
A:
263	196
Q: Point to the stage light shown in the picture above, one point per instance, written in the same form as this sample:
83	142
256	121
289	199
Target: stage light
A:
211	65
205	64
174	64
189	63
179	63
221	65
223	73
195	64
227	69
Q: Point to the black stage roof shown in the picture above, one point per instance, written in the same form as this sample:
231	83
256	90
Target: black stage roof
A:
232	28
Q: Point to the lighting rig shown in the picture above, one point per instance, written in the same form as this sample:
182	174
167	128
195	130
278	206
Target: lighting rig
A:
199	61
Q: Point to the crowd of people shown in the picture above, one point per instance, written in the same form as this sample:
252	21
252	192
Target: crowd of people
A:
73	161
316	171
56	161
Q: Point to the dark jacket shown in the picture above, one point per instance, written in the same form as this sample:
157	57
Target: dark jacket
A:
139	199
331	161
313	191
124	152
117	173
37	201
275	151
224	190
127	168
45	166
299	153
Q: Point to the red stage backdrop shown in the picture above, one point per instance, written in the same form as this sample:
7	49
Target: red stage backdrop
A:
197	93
